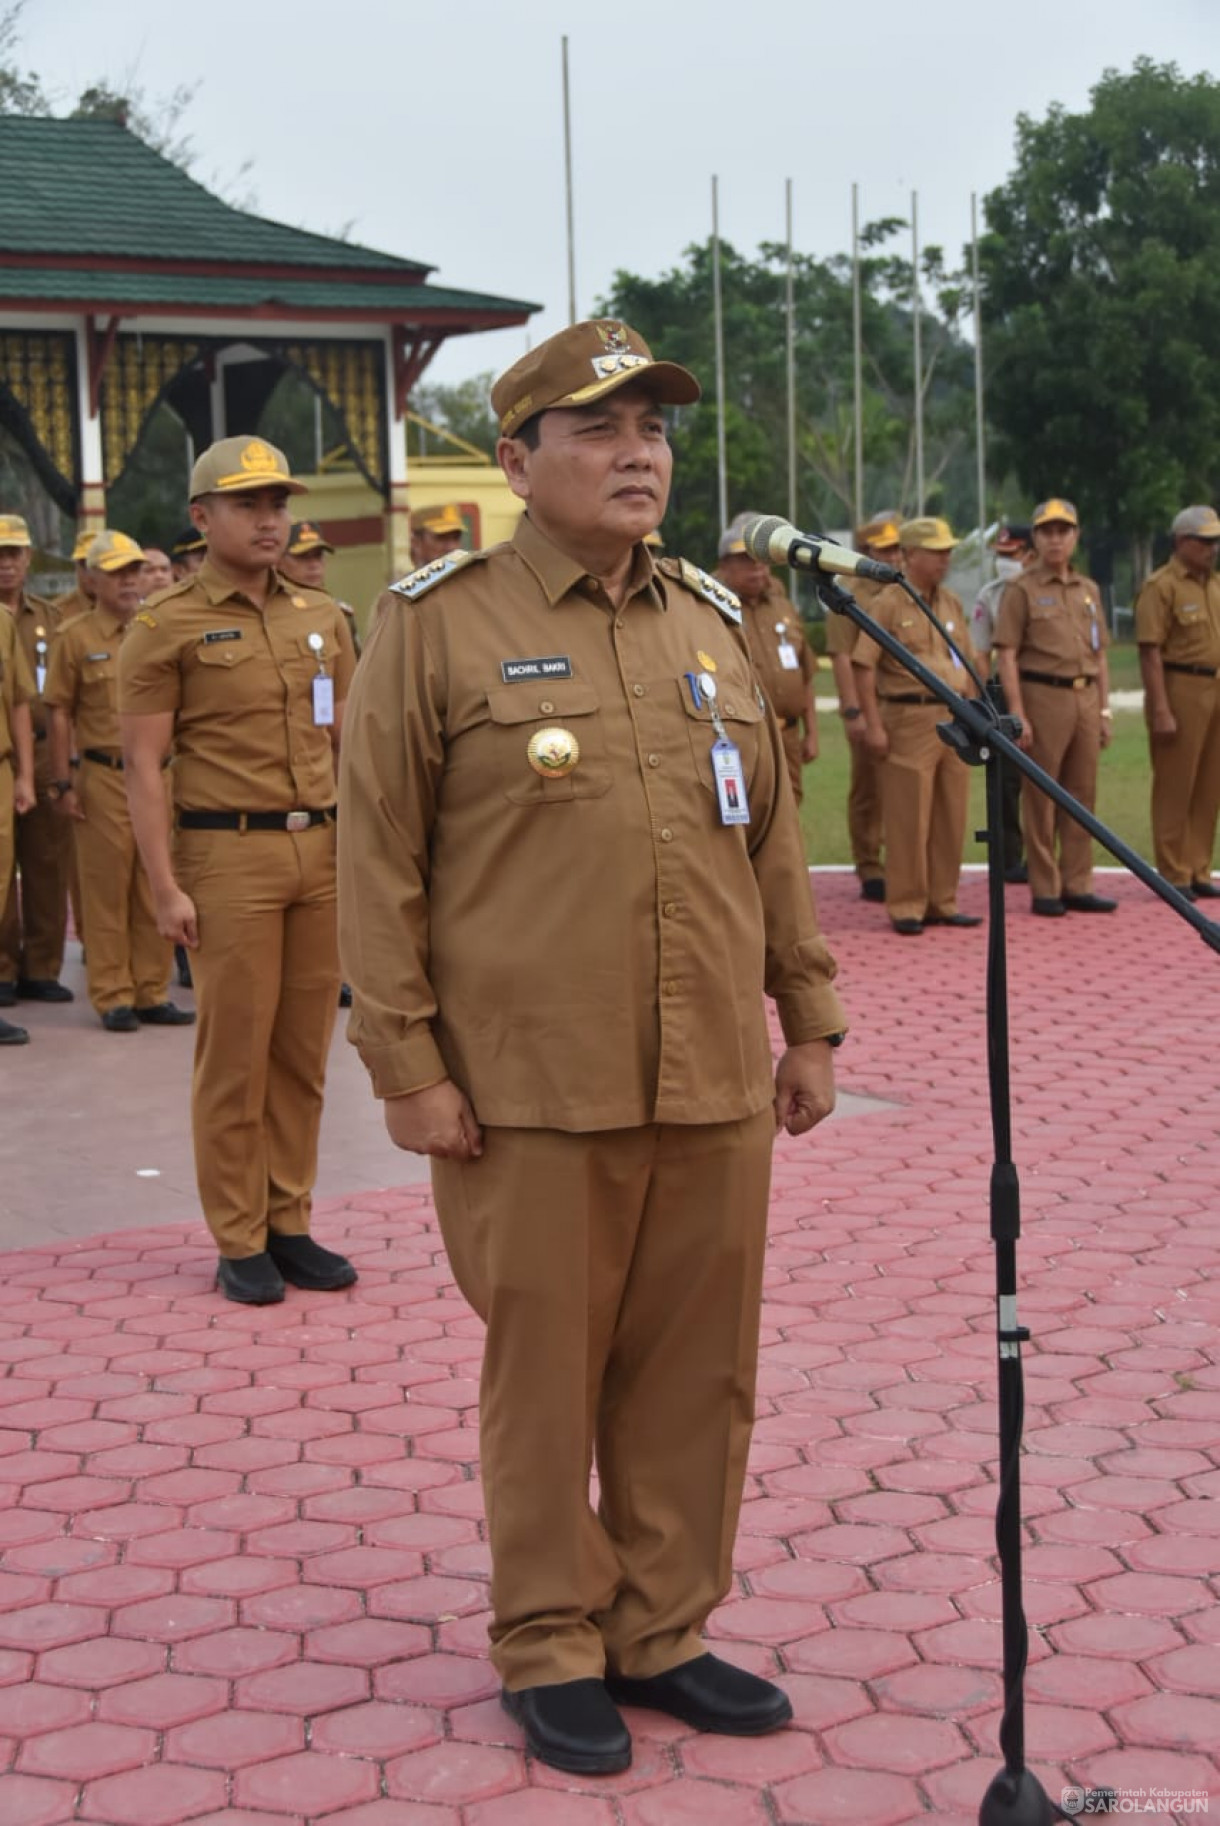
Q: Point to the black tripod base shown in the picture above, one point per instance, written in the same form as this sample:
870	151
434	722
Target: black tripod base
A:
1017	1800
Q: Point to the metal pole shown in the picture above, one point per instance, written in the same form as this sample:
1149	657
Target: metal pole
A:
857	355
567	171
918	335
980	449
718	329
791	326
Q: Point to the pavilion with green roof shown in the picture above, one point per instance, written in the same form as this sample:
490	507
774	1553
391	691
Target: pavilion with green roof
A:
126	285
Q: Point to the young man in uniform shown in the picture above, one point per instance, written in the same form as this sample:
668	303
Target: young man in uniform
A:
34	922
305	562
245	676
17	789
1177	625
877	538
925	788
187	553
570	864
1014	553
435	532
127	962
1051	641
783	659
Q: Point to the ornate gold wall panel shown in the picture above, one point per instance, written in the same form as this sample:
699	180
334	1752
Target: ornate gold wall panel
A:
39	371
138	369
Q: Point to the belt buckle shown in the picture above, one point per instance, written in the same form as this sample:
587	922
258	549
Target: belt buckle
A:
1078	684
297	821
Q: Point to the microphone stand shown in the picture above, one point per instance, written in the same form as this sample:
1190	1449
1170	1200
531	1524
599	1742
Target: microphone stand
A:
981	736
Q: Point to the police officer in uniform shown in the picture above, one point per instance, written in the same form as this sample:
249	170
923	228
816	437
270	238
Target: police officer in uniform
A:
783	659
34	922
435	532
569	863
877	538
127	962
17	789
1051	641
1177	625
925	788
245	676
305	562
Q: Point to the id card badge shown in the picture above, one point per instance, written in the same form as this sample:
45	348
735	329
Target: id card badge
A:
730	783
40	679
788	657
323	701
1094	629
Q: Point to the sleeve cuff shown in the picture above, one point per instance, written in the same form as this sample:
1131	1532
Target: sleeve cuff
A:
404	1066
810	1014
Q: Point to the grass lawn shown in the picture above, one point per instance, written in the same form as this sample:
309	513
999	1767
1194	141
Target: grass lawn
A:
1122	791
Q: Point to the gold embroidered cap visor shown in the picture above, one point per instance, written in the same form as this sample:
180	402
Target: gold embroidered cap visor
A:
441	520
582	364
238	465
1056	509
1191	523
306	536
927	535
881	531
80	550
112	551
13	530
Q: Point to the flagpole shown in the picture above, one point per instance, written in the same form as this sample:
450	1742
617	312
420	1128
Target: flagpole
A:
790	319
567	170
722	463
980	445
857	358
918	338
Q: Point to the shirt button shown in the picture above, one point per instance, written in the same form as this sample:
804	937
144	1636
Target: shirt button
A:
546	707
670	908
729	711
637	690
619	623
654	760
669	989
667	835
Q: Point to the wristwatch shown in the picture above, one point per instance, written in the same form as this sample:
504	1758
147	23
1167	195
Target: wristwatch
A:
834	1039
850	714
58	788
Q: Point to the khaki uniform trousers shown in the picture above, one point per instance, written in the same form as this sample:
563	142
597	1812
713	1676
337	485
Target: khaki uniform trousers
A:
792	739
619	1275
1186	781
1067	742
127	962
35	923
7	816
266	975
925	796
864	823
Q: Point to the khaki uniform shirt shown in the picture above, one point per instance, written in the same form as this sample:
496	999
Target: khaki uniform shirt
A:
16	681
239	681
842	634
1180	615
583	952
83	677
894	611
771	625
1057	628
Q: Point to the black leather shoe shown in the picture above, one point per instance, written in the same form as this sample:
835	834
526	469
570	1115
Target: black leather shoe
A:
8	995
1188	893
1089	903
1017	873
252	1280
305	1263
13	1036
908	928
43	989
1050	908
710	1694
1204	890
874	889
120	1020
164	1014
952	919
572	1725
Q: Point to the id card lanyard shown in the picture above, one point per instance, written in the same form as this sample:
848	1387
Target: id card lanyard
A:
727	770
40	661
323	687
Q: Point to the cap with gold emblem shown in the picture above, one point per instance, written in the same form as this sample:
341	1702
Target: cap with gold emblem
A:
190	539
111	551
13	530
80	551
881	531
1191	523
306	536
582	364
439	520
1056	509
1011	536
238	464
927	534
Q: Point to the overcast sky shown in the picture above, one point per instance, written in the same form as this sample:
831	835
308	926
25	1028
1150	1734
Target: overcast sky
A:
436	131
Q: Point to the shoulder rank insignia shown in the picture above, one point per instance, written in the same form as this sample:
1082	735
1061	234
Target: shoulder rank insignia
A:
429	575
150	621
710	588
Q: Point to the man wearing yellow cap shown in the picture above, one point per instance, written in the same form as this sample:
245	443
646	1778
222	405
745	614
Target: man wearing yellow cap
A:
304	561
877	538
1177	625
570	864
245	676
435	531
1050	642
34	921
925	788
783	659
127	962
17	789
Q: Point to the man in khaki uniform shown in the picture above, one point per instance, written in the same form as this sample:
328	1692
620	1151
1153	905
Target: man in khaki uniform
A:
17	789
1177	625
877	538
1051	641
1014	553
435	532
783	659
158	571
245	676
569	863
925	788
187	553
305	562
127	962
34	921
80	596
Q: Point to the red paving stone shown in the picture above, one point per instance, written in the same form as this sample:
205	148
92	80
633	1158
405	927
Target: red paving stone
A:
242	1565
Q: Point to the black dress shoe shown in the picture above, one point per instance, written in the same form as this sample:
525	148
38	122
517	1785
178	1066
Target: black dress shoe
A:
120	1020
43	989
252	1280
1050	907
306	1264
11	1035
1187	893
952	919
908	928
1205	890
8	995
164	1014
874	889
572	1725
1018	873
710	1694
1089	903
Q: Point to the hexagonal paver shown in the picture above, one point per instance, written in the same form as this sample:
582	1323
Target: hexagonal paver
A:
325	1783
233	1739
377	1729
84	1752
303	1687
156	1796
164	1700
452	1772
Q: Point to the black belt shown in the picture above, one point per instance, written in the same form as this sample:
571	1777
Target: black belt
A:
1172	665
40	735
790	722
254	821
1060	684
109	760
908	697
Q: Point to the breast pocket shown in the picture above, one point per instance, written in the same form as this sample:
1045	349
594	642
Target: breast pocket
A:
228	678
548	742
740	712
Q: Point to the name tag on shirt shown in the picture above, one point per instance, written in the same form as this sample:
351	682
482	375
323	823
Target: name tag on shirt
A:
788	657
730	783
323	701
209	640
554	665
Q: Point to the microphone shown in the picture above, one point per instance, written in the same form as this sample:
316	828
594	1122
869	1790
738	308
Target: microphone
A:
774	541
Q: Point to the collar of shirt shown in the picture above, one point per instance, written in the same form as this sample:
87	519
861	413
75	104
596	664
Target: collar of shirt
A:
558	573
108	624
1186	575
218	587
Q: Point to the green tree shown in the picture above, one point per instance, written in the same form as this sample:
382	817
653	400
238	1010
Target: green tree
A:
1101	300
464	410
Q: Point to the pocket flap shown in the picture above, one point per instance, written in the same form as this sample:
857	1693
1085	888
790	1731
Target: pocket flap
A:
529	703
